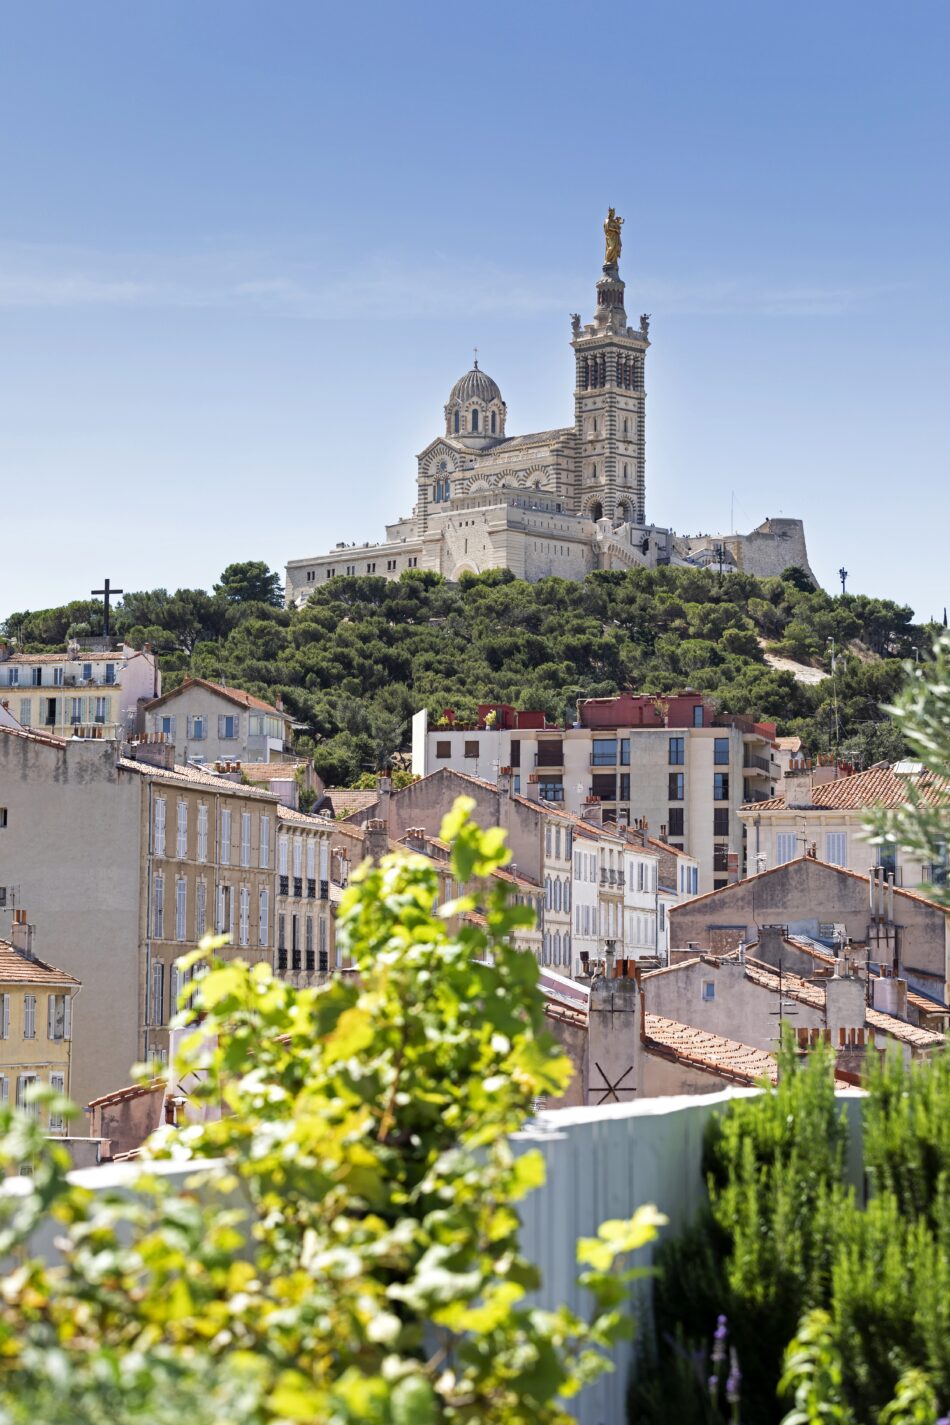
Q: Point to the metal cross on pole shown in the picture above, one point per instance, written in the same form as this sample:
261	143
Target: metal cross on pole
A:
105	594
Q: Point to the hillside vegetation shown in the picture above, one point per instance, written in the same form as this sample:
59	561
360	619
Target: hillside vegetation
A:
365	654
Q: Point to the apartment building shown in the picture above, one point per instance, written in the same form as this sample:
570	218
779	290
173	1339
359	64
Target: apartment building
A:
36	1014
125	862
824	805
673	761
579	861
304	941
96	688
210	722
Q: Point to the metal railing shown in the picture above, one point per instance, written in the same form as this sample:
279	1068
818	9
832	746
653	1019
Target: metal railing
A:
752	760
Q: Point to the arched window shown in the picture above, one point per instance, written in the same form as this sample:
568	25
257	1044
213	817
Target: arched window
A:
456	422
445	489
494	422
596	510
475	420
435	491
626	473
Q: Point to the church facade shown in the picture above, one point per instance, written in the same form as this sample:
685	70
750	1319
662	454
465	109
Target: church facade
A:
562	502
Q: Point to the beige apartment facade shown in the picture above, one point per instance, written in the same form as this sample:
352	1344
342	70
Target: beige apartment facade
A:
92	844
209	870
211	722
36	1019
304	940
95	688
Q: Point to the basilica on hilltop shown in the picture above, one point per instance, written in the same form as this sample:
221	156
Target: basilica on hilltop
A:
564	501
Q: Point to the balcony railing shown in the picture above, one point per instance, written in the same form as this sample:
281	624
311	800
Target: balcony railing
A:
324	890
298	886
311	890
549	759
598	759
753	762
283	885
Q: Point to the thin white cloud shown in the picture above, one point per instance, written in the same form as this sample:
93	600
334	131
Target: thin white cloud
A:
382	285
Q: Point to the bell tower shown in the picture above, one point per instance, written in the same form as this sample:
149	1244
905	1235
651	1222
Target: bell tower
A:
609	400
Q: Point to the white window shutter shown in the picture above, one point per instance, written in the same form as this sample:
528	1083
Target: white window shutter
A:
5	1026
50	1016
4	1089
68	1018
220	724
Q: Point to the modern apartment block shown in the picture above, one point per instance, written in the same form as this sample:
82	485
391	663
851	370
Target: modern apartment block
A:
96	688
673	762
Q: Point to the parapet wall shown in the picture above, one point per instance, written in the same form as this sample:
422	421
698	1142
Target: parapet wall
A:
765	552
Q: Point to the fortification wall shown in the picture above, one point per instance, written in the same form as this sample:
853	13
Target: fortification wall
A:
765	551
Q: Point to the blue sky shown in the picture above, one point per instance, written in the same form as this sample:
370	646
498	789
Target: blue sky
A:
246	248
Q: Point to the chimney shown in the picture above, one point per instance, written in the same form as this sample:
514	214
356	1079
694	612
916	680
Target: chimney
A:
890	996
416	838
593	811
384	788
21	934
797	783
613	1040
504	781
152	748
377	839
534	789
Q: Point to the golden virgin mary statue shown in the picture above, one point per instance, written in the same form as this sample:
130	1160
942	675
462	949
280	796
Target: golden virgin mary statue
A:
612	226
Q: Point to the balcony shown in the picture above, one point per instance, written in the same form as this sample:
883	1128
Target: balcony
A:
549	759
283	885
311	890
324	890
298	886
752	762
96	731
598	759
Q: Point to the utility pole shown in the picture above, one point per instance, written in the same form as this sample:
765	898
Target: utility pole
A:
834	691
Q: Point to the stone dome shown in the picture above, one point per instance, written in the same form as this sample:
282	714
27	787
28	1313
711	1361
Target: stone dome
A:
475	385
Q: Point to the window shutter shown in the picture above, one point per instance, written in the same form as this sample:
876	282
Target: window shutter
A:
50	1016
4	1089
220	724
5	1022
68	1018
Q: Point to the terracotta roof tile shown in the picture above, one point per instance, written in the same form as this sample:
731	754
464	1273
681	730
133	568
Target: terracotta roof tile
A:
193	776
351	799
271	771
16	968
703	1050
879	786
234	695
